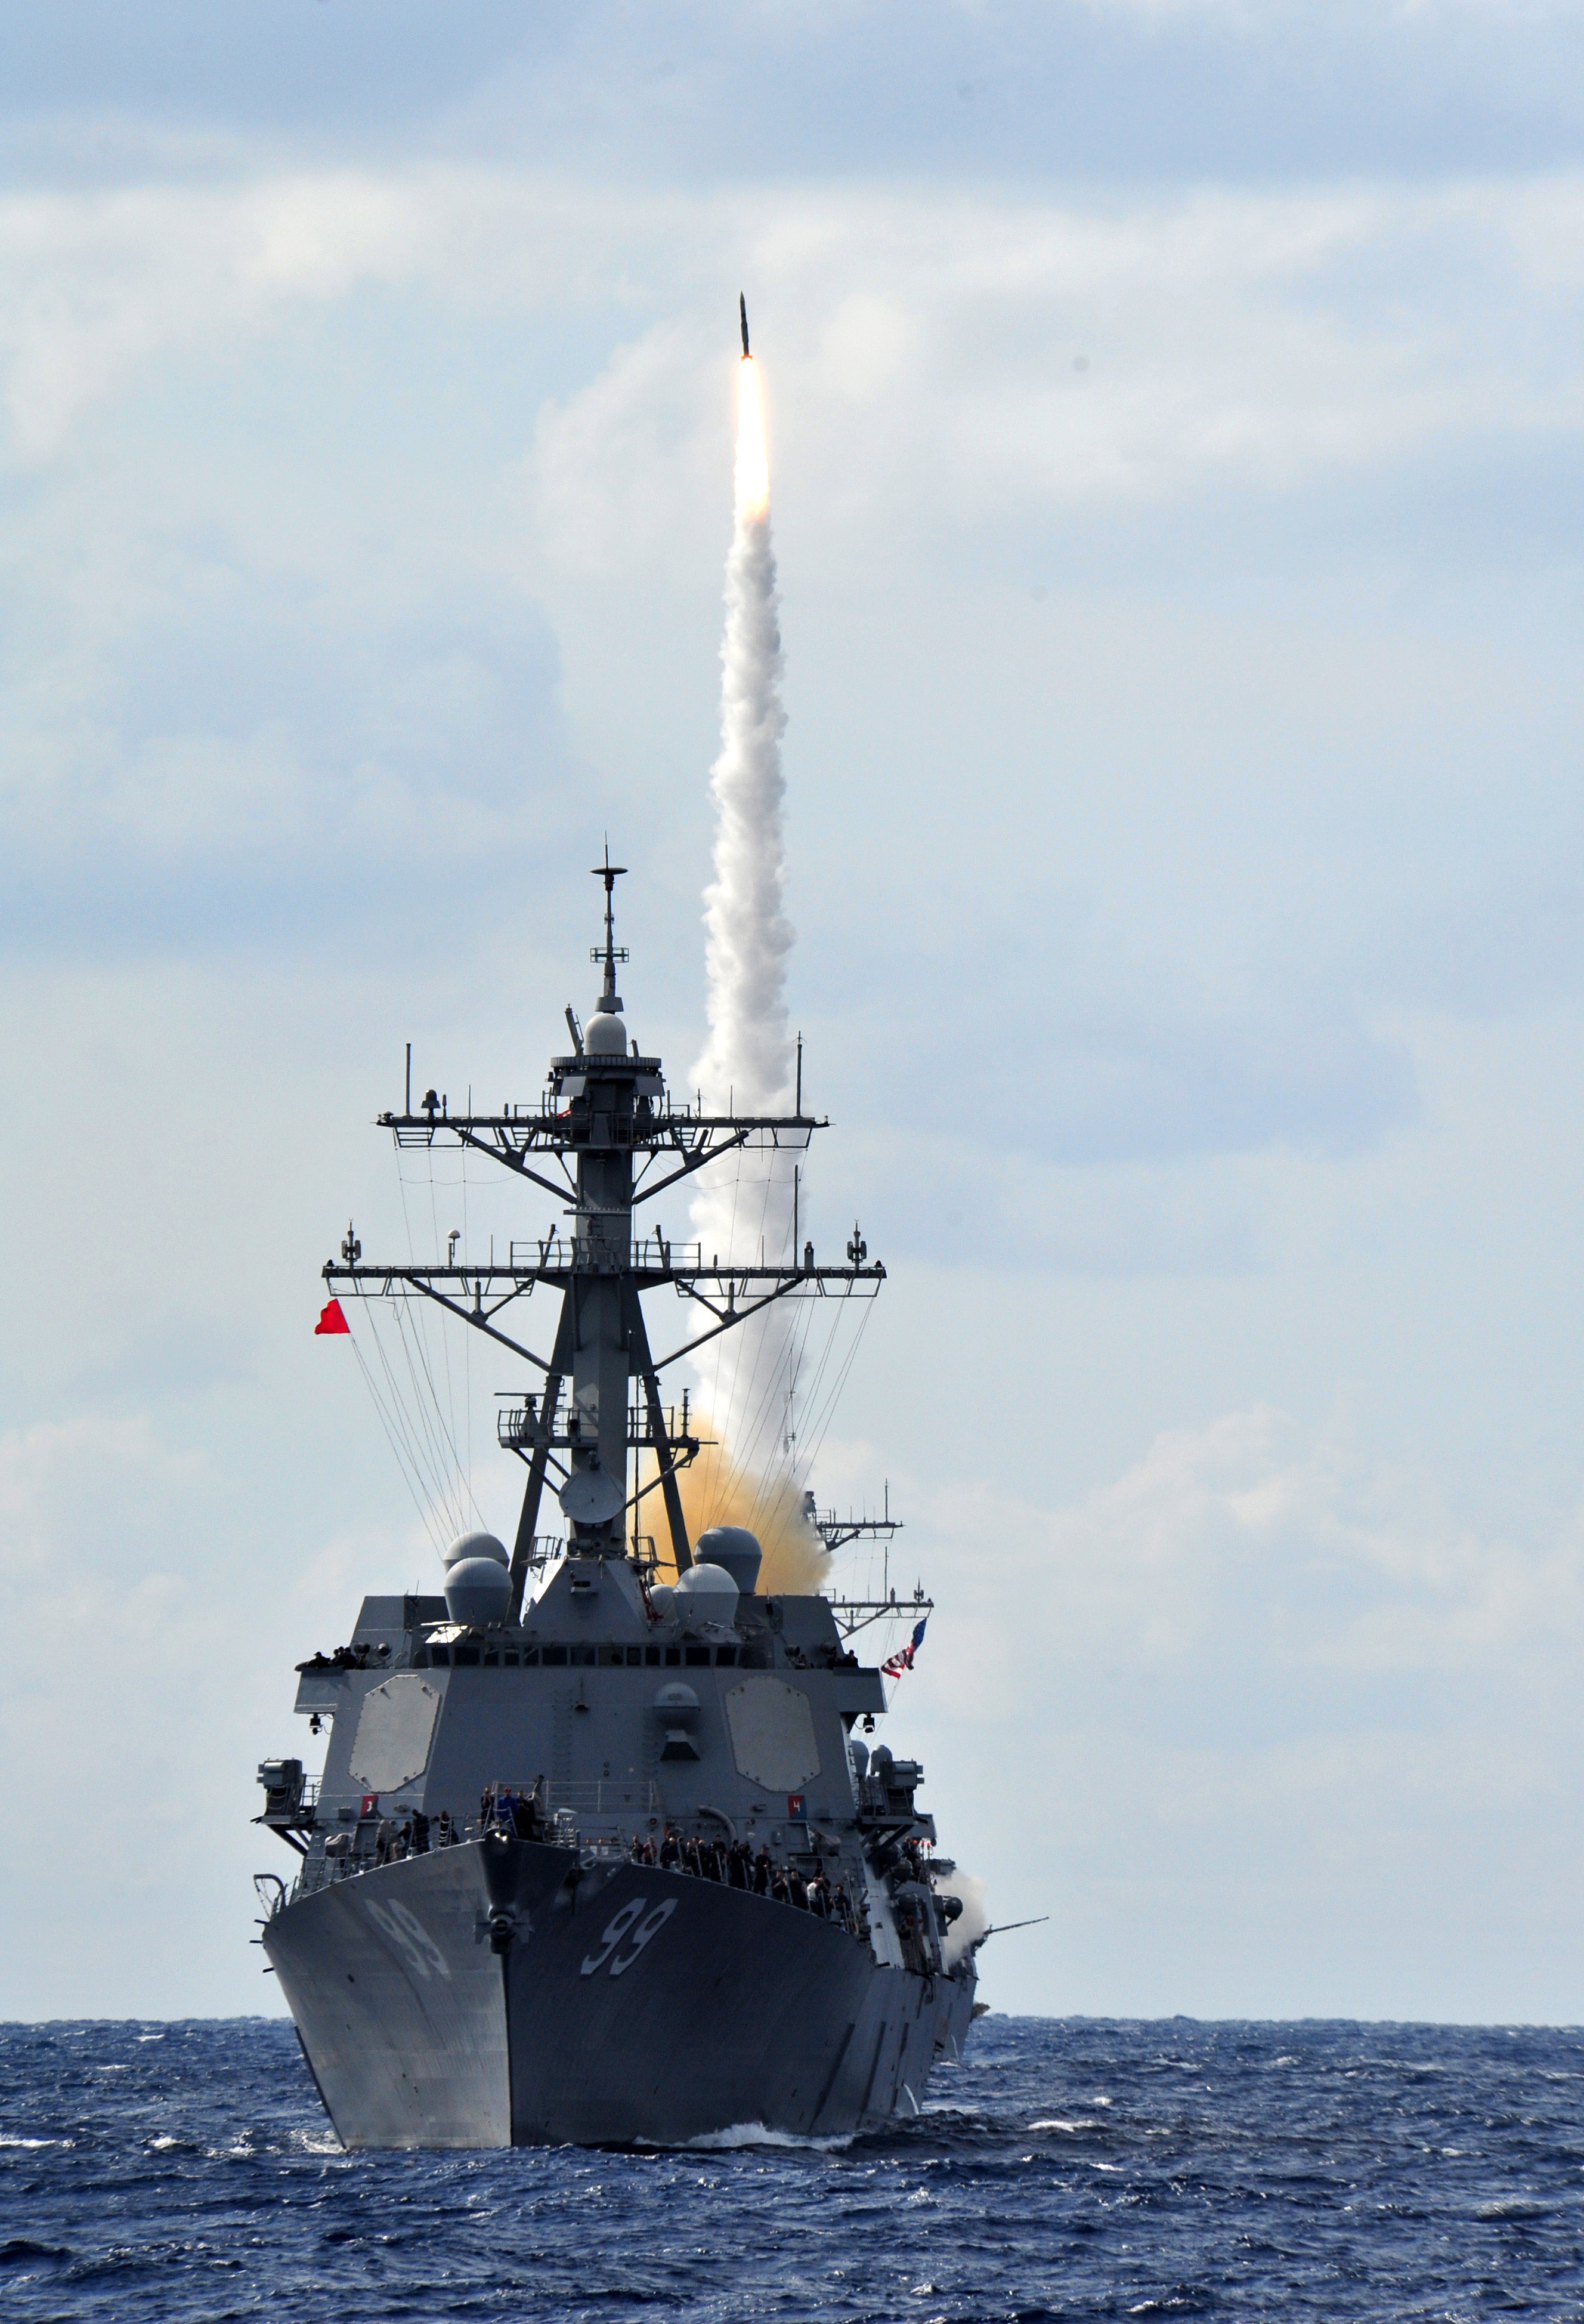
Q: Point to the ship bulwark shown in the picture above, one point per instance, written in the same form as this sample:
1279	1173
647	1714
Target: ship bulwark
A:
500	1993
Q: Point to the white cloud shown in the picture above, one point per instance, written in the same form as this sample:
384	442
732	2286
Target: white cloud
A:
1243	1720
97	1483
1257	1574
1251	336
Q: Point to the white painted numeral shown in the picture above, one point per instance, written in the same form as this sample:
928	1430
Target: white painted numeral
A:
641	1935
411	1940
613	1935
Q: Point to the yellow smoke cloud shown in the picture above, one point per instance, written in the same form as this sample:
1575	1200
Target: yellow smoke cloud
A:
716	1491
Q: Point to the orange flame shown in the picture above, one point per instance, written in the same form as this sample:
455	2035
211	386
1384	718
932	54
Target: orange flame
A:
715	1492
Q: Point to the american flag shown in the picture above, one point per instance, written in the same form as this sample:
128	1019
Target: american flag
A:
903	1660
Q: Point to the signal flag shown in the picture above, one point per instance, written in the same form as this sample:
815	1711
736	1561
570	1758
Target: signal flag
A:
332	1319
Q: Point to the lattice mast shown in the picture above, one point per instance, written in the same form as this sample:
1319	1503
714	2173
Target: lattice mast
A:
607	1125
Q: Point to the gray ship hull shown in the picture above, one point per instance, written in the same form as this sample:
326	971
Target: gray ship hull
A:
509	1993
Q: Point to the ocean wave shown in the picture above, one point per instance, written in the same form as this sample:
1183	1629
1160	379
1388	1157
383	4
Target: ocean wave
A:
207	2182
749	2134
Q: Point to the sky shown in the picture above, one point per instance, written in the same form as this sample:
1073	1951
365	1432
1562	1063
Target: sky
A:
1176	418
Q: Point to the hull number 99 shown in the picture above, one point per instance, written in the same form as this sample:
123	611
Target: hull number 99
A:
631	1923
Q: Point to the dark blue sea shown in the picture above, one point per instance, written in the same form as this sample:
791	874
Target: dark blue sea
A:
1066	2169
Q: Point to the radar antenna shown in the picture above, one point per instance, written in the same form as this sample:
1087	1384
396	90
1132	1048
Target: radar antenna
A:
610	873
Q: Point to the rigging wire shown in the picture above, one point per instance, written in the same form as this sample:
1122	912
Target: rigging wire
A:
420	1407
448	1457
467	1334
426	1409
423	1321
822	1420
399	1436
426	1455
425	1424
425	1516
760	1337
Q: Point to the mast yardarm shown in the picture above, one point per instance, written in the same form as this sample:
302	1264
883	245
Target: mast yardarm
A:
605	1138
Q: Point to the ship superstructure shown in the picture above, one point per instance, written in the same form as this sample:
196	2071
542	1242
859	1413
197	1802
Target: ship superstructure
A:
594	1855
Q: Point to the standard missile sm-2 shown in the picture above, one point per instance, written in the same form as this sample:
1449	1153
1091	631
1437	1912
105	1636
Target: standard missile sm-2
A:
742	309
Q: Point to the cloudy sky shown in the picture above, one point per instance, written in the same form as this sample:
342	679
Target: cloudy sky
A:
1177	412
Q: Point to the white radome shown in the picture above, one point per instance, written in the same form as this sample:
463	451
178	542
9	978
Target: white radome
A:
605	1036
708	1591
478	1592
477	1544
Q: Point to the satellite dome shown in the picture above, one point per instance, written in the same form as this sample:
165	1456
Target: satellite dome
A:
478	1592
477	1544
663	1598
707	1592
735	1548
604	1036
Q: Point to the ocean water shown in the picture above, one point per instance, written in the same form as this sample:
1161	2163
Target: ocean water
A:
1068	2169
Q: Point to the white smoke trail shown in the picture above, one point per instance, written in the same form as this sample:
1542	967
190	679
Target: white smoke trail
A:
749	1056
747	1064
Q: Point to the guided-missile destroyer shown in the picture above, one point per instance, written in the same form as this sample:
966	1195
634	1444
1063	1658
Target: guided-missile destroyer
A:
597	1856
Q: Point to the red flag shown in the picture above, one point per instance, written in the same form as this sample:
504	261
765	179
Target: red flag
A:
332	1320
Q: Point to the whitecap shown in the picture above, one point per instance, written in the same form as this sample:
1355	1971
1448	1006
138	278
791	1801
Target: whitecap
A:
749	2134
31	2143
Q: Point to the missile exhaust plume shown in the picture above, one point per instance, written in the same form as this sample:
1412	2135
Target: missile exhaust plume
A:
747	1063
796	1561
748	1059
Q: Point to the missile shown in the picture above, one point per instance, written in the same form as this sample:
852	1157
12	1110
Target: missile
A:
742	308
